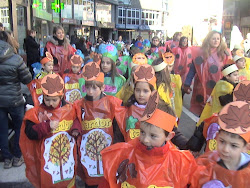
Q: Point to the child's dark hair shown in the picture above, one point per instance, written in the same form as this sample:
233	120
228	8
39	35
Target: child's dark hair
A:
224	77
163	107
132	99
94	83
162	76
233	135
113	72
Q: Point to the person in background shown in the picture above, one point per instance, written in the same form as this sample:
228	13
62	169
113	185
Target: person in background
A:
240	61
1	27
175	42
205	69
81	45
32	49
13	72
58	46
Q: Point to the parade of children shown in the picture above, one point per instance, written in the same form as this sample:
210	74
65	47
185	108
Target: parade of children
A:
120	115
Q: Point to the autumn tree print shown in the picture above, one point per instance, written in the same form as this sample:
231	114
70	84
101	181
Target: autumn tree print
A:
95	143
60	151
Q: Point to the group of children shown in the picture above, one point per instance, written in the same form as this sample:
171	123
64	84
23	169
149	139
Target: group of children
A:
89	122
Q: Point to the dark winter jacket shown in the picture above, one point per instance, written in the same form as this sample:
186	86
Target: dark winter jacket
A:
13	71
32	50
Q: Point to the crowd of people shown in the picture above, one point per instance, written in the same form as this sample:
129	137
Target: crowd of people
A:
109	113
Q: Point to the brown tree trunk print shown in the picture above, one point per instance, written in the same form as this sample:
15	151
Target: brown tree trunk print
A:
96	142
60	151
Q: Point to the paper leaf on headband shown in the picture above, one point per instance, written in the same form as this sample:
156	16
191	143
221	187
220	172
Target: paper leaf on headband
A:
242	93
76	59
151	106
53	85
96	58
49	56
91	71
144	73
237	117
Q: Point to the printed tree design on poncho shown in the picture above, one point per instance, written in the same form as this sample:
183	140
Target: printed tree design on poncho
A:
60	151
96	142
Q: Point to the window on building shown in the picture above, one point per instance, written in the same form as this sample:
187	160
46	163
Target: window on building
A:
151	17
4	17
132	15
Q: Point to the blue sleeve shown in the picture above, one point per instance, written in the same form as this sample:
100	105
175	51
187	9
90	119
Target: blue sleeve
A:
190	75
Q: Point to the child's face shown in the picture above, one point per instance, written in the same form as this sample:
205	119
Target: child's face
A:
241	63
52	102
233	77
152	136
229	148
184	42
142	92
94	91
146	48
106	65
75	69
48	67
170	68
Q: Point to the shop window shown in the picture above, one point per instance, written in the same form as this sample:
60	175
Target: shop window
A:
21	26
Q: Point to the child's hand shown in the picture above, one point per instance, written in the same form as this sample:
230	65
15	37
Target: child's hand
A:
75	133
54	124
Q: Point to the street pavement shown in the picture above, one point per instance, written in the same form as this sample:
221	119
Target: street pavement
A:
15	177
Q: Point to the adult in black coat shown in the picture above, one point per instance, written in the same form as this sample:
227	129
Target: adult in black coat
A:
13	72
32	49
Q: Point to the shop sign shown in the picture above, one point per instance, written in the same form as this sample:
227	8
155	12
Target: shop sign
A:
70	21
105	24
37	4
42	14
88	22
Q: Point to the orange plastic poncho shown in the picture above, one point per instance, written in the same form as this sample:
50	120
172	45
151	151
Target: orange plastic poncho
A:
36	91
208	72
48	164
96	118
229	178
160	167
71	87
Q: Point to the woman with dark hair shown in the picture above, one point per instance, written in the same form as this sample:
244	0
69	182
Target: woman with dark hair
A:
208	61
183	58
32	49
175	42
13	72
61	50
81	45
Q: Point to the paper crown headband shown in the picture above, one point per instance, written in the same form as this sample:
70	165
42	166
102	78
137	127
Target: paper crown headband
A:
156	116
229	70
145	73
237	57
242	91
48	57
95	57
139	59
52	85
76	60
109	50
235	118
92	72
160	66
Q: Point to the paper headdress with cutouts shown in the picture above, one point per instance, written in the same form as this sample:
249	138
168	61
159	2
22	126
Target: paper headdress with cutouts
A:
242	91
235	118
157	117
76	60
48	57
92	72
139	59
52	85
145	73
